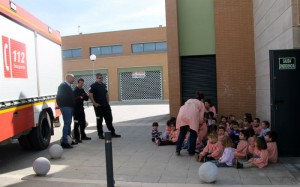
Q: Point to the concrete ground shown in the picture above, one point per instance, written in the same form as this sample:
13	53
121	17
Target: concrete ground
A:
137	161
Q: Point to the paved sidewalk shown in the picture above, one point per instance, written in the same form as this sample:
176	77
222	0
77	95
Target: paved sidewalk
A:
138	161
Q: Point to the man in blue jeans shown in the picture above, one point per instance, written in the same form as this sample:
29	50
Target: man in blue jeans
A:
66	101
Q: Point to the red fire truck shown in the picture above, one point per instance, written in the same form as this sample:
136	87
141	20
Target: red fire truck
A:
30	72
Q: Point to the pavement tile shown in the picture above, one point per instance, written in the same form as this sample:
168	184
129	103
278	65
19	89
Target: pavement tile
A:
278	174
256	181
152	185
147	179
296	176
245	173
228	181
228	172
126	178
283	181
130	171
177	180
151	171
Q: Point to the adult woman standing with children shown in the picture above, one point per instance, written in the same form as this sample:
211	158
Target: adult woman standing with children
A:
190	116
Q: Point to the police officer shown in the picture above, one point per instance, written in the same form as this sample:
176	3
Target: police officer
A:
79	115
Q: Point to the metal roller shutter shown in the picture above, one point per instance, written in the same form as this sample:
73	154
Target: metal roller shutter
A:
88	80
141	86
198	73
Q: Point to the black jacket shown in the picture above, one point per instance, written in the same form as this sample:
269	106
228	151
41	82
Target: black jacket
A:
78	93
65	96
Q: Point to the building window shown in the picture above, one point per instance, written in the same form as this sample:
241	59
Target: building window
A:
161	46
137	48
71	53
149	47
106	50
117	49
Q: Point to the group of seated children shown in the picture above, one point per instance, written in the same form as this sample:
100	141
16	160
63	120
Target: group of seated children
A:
241	144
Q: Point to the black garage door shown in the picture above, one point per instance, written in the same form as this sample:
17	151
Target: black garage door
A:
198	73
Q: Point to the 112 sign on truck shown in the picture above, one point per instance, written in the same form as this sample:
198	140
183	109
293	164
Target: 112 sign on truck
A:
30	71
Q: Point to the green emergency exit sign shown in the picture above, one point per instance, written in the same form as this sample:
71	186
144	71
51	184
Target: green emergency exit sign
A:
287	63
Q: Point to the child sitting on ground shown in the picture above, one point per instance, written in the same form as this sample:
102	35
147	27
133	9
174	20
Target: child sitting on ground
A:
223	121
265	125
246	125
248	118
234	133
242	147
210	117
173	136
155	133
227	156
202	133
251	142
165	135
231	118
260	156
256	126
271	138
212	151
213	127
221	133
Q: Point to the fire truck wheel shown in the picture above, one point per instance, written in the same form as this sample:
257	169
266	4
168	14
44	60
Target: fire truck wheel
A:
40	136
24	142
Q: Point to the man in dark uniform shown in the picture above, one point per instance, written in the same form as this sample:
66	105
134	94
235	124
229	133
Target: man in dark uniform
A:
66	102
99	96
79	115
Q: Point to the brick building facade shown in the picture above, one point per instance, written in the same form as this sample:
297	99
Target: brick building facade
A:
133	62
237	36
223	39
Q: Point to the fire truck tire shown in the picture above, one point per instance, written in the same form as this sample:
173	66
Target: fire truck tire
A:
40	136
24	142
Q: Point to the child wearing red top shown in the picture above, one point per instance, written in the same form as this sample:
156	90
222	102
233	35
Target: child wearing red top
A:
173	136
223	121
271	138
221	133
212	151
260	156
165	135
242	147
201	134
251	142
256	126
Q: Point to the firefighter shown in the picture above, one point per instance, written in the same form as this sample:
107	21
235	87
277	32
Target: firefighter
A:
79	115
99	96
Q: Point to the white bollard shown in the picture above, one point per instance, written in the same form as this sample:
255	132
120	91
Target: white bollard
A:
208	172
41	166
55	151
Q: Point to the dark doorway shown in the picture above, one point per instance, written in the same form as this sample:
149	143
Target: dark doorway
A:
198	73
285	99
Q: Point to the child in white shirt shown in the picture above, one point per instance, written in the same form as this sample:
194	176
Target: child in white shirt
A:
228	154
